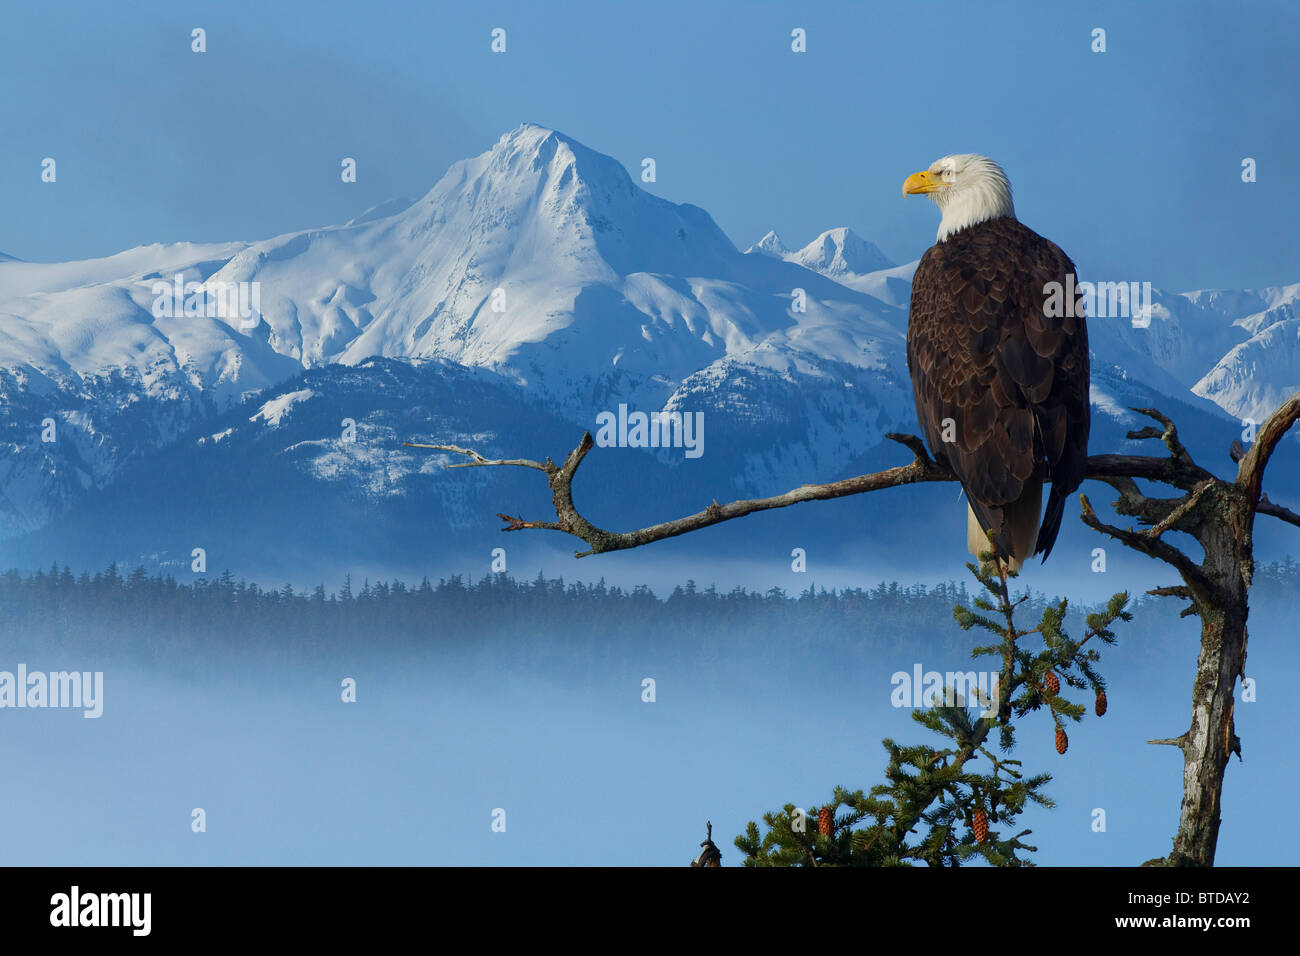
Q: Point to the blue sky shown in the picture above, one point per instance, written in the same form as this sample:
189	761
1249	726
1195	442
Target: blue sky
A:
1130	159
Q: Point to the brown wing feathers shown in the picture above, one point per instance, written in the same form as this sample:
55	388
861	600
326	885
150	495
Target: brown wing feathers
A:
1012	380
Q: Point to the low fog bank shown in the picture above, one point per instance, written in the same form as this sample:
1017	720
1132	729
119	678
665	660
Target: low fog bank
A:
533	702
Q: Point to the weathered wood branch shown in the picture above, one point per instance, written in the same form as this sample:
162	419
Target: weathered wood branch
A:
478	460
922	468
1250	473
1266	507
1199	585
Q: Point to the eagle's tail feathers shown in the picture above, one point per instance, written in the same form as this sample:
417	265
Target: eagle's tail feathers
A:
1051	523
1022	519
1020	528
977	539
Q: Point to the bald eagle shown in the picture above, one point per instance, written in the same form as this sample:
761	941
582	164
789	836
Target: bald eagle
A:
1000	377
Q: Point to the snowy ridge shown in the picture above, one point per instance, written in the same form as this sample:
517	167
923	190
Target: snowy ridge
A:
543	264
838	254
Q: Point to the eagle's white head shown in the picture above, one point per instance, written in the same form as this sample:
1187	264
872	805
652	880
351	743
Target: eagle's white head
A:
967	188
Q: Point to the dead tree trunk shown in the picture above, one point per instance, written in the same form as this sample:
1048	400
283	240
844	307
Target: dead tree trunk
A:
1217	589
1220	514
1221	661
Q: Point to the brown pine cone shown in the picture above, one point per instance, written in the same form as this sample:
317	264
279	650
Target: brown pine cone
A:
825	821
980	825
1101	703
1051	683
1062	741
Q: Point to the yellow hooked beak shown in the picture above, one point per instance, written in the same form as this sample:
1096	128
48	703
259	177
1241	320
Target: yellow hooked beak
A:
922	182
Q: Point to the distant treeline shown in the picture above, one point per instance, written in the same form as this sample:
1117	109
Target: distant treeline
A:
59	600
154	613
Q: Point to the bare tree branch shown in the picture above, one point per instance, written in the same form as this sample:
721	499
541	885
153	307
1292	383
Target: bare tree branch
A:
1180	511
922	468
478	460
1250	474
1149	542
1266	507
1170	471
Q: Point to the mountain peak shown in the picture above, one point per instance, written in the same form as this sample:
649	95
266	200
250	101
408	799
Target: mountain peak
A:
770	245
840	252
541	195
529	149
531	140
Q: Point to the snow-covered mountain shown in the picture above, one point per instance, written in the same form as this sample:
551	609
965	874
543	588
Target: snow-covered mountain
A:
540	260
1235	349
840	254
544	267
1258	373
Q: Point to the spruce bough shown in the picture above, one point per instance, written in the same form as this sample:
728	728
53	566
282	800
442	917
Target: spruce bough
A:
941	807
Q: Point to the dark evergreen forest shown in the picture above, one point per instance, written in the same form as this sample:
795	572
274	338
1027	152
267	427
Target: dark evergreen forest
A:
543	622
